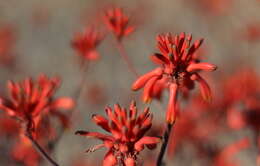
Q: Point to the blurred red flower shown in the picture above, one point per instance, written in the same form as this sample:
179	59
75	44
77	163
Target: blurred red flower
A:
118	22
7	40
241	99
86	42
179	69
127	139
30	100
24	152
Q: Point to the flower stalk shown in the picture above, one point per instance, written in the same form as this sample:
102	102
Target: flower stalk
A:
165	141
41	151
125	57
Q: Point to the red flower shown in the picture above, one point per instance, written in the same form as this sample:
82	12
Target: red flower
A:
30	99
117	22
179	69
86	42
127	139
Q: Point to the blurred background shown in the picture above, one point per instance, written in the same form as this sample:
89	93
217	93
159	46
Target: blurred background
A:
36	38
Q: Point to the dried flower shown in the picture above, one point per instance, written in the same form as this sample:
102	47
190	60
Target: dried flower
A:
117	22
30	99
179	69
86	42
127	139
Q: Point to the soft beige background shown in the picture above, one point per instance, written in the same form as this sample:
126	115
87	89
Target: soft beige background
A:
46	48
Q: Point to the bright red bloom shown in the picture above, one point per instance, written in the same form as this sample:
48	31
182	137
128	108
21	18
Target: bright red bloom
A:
30	99
179	70
86	42
127	139
117	22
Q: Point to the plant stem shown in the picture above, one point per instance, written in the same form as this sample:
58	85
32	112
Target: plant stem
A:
40	149
166	136
77	94
84	68
124	56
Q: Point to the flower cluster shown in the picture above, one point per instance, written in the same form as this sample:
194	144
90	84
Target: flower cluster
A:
86	42
30	100
178	69
117	22
128	134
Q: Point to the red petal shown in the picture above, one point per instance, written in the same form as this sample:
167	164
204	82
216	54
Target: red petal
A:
97	135
92	55
109	159
129	30
201	66
101	121
141	81
204	87
148	88
130	162
14	90
171	110
65	103
159	59
139	145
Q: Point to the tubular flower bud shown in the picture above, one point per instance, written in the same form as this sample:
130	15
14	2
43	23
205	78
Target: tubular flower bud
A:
171	110
204	87
141	81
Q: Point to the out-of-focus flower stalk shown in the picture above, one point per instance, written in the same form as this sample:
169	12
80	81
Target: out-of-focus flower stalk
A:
38	147
125	57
